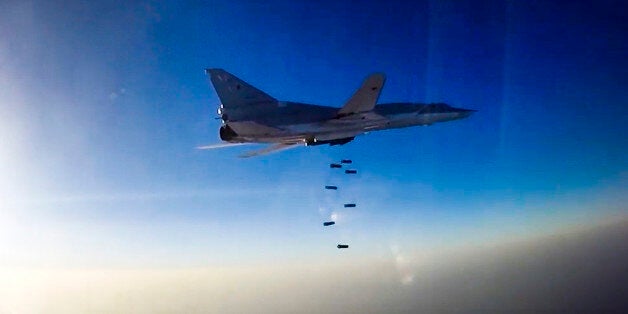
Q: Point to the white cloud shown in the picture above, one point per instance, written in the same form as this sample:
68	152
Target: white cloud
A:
403	265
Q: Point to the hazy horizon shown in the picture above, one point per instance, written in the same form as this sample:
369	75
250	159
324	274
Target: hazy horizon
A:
574	269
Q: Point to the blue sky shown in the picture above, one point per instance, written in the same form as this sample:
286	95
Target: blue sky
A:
103	103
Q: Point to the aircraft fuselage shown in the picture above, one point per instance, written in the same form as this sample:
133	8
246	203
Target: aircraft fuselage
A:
249	115
316	125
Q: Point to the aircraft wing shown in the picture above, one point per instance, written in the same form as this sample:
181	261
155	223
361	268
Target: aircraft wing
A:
220	145
270	149
365	98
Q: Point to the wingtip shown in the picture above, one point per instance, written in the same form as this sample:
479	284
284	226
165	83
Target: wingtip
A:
248	154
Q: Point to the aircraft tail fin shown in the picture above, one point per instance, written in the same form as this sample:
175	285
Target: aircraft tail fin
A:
237	96
365	98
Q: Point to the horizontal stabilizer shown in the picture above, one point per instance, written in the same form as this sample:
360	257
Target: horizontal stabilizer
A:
221	145
365	98
270	149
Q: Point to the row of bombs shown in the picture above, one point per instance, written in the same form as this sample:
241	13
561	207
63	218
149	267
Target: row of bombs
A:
334	187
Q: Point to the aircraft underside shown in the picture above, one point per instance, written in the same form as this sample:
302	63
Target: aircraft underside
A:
331	132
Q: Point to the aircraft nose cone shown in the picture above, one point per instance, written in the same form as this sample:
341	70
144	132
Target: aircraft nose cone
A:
465	112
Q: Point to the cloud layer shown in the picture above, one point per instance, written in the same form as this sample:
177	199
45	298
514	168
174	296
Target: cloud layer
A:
576	270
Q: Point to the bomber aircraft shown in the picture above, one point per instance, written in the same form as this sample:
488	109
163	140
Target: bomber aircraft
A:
251	116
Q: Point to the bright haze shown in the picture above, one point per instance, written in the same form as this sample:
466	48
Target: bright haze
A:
106	205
